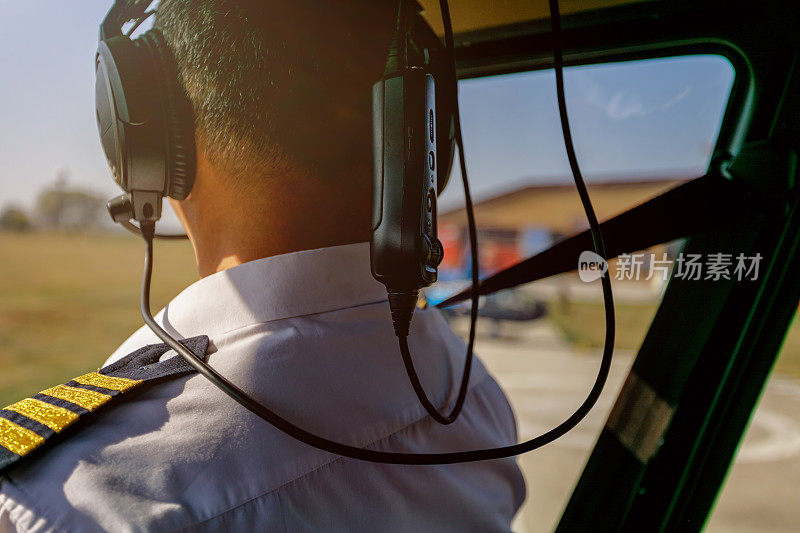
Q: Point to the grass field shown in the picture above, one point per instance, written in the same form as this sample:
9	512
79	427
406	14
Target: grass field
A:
583	323
68	301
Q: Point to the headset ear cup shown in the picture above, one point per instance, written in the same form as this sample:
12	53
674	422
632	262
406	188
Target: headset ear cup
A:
446	132
178	117
446	95
439	64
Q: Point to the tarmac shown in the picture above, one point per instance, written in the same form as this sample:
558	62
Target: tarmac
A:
546	379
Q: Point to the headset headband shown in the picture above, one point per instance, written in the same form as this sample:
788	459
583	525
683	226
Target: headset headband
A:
123	11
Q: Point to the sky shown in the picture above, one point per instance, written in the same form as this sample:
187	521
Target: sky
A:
47	118
629	120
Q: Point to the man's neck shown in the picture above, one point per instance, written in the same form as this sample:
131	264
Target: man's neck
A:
237	242
228	228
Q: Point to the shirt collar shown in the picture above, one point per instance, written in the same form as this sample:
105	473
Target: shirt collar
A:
273	288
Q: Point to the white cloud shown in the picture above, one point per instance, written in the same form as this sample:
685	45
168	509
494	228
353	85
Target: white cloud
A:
677	98
618	105
624	105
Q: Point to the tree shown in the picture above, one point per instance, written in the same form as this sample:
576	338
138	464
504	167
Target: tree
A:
71	209
13	218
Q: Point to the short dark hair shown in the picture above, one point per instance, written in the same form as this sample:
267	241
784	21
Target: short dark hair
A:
274	85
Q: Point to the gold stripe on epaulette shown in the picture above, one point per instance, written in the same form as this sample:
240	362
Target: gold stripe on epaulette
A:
88	399
108	382
52	416
18	439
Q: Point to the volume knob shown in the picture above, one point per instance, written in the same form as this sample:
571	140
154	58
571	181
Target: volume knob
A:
434	251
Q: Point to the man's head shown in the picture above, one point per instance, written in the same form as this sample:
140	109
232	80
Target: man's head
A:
274	81
281	94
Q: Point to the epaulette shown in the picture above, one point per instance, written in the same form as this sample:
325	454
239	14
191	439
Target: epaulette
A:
39	422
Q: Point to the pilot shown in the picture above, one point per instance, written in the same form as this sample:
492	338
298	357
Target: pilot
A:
285	307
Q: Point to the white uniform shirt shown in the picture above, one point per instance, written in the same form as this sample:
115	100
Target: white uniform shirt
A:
309	335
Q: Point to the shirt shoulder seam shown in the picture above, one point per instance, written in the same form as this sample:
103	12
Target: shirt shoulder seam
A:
218	334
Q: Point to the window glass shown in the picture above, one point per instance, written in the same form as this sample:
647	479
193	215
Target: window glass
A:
639	128
631	121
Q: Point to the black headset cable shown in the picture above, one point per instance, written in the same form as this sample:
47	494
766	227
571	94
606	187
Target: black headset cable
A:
376	456
133	228
580	184
408	361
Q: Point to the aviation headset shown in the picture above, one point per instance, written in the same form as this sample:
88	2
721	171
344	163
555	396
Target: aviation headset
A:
145	118
147	133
